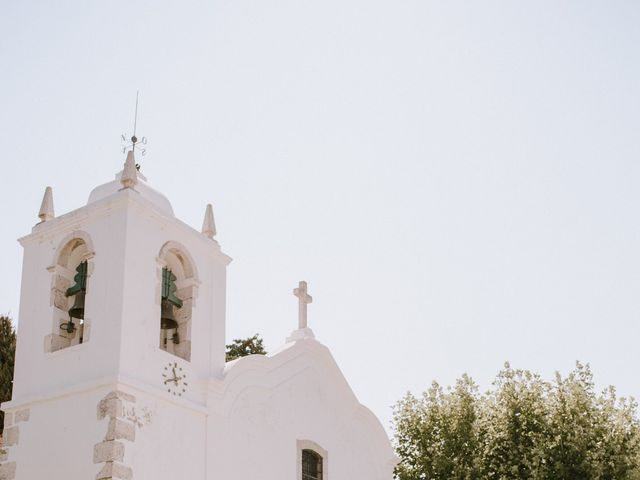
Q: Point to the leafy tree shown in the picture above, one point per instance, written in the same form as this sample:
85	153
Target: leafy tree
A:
523	428
514	426
437	435
596	436
7	356
243	347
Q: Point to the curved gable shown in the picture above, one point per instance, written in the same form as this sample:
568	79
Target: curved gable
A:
298	393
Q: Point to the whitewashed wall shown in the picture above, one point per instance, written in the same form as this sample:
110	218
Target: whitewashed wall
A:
102	410
265	405
57	441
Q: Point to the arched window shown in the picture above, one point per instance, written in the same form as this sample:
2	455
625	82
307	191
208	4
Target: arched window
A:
69	286
311	465
178	283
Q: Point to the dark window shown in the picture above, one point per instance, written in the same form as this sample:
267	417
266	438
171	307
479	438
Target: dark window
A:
311	465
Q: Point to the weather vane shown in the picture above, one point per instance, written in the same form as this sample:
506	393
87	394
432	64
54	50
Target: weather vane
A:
134	141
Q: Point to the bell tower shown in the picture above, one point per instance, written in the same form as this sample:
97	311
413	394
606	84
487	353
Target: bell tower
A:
121	325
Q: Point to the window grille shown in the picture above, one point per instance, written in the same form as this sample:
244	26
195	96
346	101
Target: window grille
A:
311	465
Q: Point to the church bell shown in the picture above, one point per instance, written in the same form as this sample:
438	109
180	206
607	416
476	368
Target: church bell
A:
167	304
78	291
77	310
167	318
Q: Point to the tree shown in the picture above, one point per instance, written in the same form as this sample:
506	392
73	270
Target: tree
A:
437	435
7	357
596	436
243	347
523	428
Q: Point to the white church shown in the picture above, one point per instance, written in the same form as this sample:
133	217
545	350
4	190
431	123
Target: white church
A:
120	362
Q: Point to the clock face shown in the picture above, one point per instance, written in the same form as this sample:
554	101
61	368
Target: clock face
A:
174	379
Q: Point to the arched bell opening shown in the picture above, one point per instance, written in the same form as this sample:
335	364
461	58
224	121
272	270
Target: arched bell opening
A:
69	287
177	291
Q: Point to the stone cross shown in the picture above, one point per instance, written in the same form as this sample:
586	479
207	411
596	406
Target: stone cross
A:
303	299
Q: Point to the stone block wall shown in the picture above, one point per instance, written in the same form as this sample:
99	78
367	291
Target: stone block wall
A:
11	438
121	430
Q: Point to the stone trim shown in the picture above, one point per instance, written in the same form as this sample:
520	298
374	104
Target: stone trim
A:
176	257
8	471
62	276
121	426
11	438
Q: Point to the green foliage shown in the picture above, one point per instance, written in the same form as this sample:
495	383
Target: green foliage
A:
524	428
243	347
7	356
437	435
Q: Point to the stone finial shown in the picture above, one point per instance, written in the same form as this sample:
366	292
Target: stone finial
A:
46	208
130	172
209	224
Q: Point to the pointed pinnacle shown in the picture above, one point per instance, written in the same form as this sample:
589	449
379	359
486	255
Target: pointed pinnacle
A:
130	172
209	224
46	208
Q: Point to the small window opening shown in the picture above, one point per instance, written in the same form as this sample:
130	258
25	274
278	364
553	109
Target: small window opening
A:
311	465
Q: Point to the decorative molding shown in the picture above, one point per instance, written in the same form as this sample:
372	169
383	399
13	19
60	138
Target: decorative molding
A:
74	235
187	261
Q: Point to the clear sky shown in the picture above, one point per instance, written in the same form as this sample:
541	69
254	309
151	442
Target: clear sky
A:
457	181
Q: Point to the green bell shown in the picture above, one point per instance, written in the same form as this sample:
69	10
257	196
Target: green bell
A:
167	318
77	310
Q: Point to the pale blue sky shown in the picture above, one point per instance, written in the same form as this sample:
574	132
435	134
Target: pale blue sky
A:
457	181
